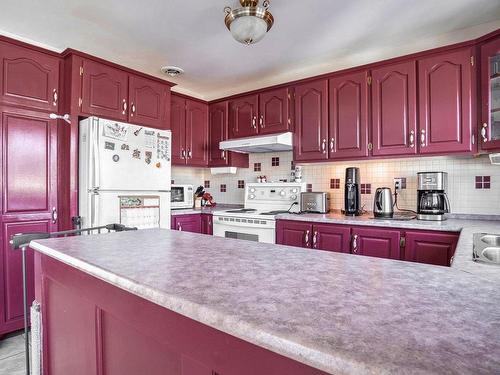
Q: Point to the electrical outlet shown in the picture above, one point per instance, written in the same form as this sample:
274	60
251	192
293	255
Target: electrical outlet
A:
398	184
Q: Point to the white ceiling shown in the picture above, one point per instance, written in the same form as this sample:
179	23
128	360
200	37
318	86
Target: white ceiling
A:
309	37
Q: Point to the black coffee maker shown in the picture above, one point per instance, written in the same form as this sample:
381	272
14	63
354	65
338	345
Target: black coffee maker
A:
352	192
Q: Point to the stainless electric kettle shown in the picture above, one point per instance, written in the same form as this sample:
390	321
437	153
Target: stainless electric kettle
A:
383	204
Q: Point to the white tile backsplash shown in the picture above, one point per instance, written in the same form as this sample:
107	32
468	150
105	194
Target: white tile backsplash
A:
462	170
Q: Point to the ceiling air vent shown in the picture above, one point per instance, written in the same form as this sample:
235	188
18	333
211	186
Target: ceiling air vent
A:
172	71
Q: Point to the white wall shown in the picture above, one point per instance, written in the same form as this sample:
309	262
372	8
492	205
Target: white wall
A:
462	172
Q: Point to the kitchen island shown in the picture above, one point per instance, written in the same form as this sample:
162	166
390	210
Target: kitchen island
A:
154	301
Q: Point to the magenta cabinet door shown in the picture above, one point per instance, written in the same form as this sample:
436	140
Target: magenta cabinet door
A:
331	237
294	233
243	116
217	132
29	78
274	114
187	223
376	242
207	224
147	102
196	133
490	95
445	97
311	121
430	247
12	314
348	116
394	109
104	91
178	128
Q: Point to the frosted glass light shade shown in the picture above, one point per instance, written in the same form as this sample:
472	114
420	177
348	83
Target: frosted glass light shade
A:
248	29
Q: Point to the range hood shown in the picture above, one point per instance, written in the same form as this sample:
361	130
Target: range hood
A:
263	143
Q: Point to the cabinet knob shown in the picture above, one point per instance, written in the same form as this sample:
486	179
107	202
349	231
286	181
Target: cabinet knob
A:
306	238
484	132
54	97
332	144
132	109
412	138
254	122
54	215
355	243
189	154
315	239
323	146
124	107
223	154
179	227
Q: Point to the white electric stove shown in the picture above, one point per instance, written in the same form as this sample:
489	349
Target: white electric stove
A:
257	220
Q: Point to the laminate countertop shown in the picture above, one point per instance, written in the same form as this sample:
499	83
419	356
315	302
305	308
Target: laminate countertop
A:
208	210
339	313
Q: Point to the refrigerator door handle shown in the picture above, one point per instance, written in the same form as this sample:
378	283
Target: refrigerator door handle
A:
95	154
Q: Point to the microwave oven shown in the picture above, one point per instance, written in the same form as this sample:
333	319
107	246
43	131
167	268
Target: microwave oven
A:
181	196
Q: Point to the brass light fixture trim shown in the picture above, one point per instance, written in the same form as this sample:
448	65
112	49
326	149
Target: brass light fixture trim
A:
249	8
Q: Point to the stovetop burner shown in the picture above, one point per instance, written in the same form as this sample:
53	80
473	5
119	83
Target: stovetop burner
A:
241	211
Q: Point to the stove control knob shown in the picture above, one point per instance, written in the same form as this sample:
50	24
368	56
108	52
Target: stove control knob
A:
293	197
294	190
282	193
251	196
252	190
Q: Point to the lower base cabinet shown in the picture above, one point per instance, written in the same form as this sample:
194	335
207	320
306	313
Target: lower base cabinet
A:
195	223
429	247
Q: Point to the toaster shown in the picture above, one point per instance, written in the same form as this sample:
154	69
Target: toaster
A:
315	202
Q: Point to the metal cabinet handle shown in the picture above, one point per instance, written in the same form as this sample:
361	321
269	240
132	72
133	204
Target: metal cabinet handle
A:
332	144
132	109
54	97
179	227
306	238
223	154
484	132
422	138
323	146
315	239
189	154
124	107
355	243
261	121
183	154
412	138
254	122
54	215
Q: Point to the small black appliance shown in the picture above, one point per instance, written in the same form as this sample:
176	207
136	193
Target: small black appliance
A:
352	192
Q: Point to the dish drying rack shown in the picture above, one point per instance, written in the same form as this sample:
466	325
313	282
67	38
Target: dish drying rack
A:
21	241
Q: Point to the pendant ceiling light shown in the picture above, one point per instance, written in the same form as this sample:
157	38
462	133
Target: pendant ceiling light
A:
250	23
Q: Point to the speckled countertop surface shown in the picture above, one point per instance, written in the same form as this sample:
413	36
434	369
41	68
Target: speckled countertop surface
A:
462	260
205	210
340	313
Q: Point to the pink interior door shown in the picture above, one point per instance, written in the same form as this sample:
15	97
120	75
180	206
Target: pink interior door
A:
29	78
430	247
348	116
331	238
217	133
274	111
29	175
445	102
196	133
394	115
294	233
243	116
105	91
178	128
147	102
490	95
311	121
376	242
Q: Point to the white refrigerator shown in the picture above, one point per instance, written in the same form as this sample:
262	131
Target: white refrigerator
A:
124	174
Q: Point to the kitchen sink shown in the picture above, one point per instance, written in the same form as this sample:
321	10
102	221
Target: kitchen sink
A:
486	248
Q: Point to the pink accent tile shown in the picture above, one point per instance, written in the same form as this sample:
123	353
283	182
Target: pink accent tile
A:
309	188
222	188
275	161
241	184
207	184
257	167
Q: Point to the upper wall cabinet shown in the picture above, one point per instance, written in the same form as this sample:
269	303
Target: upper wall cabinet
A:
189	125
490	95
110	92
445	96
29	78
264	113
394	109
218	132
104	91
348	131
311	121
